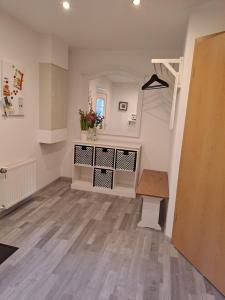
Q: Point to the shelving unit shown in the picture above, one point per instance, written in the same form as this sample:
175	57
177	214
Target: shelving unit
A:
106	167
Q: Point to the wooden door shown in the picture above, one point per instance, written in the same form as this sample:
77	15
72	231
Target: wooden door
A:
199	223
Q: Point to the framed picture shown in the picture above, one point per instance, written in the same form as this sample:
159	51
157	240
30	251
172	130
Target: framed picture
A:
12	89
123	106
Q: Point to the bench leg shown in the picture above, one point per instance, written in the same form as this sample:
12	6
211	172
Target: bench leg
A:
150	213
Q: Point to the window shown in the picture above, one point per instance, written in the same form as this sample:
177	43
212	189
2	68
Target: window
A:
100	106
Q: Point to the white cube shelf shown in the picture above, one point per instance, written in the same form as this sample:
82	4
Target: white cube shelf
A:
106	167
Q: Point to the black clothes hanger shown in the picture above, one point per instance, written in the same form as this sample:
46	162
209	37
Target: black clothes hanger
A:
161	83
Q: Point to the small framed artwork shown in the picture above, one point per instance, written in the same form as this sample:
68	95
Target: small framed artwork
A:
123	106
11	90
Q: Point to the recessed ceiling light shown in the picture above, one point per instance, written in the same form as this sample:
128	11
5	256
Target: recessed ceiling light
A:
136	2
66	5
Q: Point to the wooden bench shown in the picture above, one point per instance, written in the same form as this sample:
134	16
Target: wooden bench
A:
154	188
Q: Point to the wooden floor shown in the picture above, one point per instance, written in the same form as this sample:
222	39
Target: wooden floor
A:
80	245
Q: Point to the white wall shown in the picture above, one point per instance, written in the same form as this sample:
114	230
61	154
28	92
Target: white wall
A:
125	92
207	19
155	133
18	136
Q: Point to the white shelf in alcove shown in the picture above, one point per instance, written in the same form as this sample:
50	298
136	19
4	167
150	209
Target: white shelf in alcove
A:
125	184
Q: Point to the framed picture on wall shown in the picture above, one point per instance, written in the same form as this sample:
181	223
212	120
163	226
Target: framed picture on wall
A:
12	89
123	106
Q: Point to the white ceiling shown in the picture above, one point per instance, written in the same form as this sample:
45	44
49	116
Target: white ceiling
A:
108	24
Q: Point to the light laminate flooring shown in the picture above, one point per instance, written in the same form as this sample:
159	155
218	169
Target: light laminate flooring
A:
80	245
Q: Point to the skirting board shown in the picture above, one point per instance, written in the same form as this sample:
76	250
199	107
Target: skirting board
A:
52	136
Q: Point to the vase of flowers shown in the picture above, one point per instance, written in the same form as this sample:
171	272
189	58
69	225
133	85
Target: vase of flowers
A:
89	121
94	120
83	125
92	133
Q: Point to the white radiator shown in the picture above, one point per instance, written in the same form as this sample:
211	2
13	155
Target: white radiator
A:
18	183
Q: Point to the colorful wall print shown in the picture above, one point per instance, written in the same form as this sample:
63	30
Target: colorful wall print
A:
12	85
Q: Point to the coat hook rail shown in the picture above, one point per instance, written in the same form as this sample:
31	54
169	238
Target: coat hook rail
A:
169	64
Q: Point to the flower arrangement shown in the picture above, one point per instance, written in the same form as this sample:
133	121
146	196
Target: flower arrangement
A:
94	119
90	119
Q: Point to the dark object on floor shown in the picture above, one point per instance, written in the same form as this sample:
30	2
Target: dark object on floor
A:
6	251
